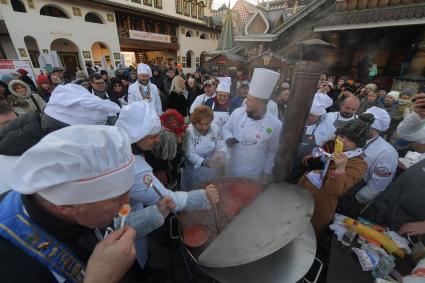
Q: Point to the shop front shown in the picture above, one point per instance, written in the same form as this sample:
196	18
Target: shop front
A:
147	40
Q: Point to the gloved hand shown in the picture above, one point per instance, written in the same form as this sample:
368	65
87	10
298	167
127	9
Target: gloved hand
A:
230	142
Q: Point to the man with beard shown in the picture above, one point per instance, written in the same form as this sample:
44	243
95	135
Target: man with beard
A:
144	90
54	227
252	133
333	120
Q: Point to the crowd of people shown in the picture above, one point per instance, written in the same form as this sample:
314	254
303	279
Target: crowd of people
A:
76	151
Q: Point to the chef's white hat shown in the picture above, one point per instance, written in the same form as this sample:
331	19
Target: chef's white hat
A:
263	83
321	101
75	105
75	165
139	120
144	69
224	85
382	118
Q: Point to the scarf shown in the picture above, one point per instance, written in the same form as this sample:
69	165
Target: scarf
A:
145	92
316	177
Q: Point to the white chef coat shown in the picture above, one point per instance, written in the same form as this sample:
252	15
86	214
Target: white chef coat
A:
154	100
248	159
199	100
271	107
412	128
142	196
382	160
198	148
325	131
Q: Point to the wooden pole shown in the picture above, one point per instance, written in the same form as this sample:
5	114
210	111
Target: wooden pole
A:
303	88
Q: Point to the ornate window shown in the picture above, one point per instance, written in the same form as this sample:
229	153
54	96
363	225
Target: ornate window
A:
186	8
93	18
194	9
147	2
179	9
158	4
53	11
201	7
18	6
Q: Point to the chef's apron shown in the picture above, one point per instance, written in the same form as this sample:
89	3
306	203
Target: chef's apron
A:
195	176
341	123
220	118
248	157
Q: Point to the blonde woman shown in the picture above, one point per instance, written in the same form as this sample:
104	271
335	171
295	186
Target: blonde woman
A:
178	96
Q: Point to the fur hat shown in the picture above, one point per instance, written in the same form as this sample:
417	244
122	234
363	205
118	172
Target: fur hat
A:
358	129
173	121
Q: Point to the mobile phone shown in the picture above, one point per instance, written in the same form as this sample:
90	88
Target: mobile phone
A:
338	146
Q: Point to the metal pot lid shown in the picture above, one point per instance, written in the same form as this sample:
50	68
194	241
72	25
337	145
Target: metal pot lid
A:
270	222
289	264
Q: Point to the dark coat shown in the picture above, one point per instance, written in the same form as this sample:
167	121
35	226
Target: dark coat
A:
403	201
158	80
21	134
179	102
192	93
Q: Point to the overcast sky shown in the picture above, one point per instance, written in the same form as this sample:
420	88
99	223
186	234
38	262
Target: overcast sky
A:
217	3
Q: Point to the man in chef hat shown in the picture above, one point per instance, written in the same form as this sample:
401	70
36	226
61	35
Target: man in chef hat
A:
252	132
321	101
69	188
69	104
144	90
382	160
221	103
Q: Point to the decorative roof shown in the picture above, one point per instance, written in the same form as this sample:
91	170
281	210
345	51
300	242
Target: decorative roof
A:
243	9
390	16
298	16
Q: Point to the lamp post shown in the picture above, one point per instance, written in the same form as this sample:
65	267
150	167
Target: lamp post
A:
303	87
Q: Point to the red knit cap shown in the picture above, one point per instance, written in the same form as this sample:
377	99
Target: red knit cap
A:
173	121
42	79
22	72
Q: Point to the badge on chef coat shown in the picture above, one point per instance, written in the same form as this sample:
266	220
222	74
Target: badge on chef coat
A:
147	179
382	172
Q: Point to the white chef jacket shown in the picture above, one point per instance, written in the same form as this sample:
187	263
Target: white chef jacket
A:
198	148
154	101
248	159
271	107
412	128
325	131
199	100
142	196
382	160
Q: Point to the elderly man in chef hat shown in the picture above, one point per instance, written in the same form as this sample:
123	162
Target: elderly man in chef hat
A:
221	103
321	101
382	160
144	90
69	104
252	132
143	126
69	188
